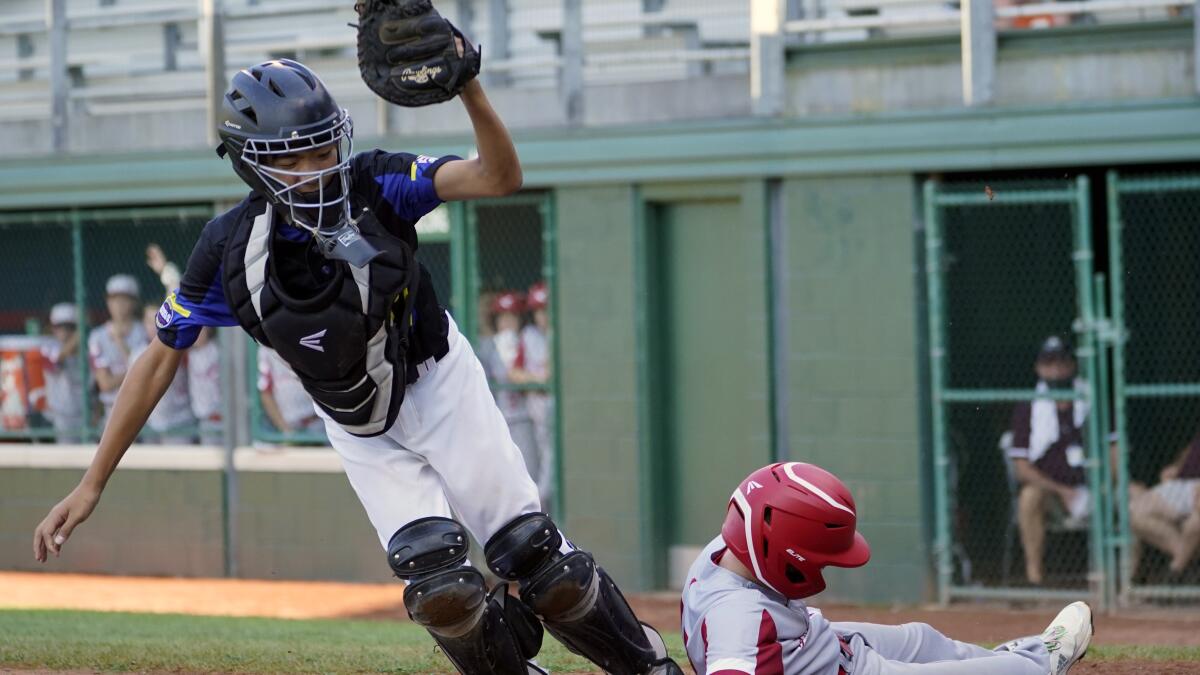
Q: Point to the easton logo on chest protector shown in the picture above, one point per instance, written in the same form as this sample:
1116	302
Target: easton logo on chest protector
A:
314	341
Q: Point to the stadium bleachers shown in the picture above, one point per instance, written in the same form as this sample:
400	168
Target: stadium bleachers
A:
145	55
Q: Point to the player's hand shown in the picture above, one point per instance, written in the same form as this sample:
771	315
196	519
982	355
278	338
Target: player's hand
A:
1169	473
155	258
69	347
56	527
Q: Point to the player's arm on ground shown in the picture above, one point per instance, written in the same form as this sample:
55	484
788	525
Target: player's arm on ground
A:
145	383
496	171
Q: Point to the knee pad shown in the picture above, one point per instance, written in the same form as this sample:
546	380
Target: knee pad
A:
522	547
448	603
425	546
481	633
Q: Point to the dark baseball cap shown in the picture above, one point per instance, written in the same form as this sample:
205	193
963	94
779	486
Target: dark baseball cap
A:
1055	348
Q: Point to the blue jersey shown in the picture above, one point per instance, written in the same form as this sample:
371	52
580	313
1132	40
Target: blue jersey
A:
398	187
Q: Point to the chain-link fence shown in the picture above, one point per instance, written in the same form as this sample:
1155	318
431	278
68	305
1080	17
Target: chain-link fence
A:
63	354
507	310
1156	380
1015	435
82	291
1066	433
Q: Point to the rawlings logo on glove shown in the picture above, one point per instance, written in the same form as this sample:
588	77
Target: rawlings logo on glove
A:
407	52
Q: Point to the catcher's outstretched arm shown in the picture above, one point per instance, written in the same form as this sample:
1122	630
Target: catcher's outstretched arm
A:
144	385
496	171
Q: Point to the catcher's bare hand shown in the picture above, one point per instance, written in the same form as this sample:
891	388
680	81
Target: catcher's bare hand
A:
56	527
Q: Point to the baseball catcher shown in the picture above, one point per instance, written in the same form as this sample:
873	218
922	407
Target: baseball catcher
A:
317	263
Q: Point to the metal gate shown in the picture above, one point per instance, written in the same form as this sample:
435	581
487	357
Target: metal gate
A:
1008	265
1154	256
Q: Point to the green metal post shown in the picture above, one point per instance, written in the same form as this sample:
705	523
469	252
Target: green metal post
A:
458	264
471	297
937	382
1116	272
1086	352
550	274
77	255
257	428
1104	501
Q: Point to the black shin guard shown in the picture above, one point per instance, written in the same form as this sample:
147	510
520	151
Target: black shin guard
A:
578	602
585	610
481	633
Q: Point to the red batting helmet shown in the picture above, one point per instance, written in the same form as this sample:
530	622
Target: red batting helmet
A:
538	296
508	301
787	521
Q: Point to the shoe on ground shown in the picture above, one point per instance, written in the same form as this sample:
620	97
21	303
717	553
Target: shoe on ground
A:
1068	636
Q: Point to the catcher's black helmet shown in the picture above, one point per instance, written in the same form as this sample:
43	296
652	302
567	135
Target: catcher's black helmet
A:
280	108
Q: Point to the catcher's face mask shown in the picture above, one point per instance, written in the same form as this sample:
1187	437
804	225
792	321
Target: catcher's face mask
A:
307	175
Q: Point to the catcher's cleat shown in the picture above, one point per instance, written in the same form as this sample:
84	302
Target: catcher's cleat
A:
1068	636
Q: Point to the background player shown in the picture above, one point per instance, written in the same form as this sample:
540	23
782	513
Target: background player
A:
64	381
743	607
532	366
110	345
171	422
317	263
283	398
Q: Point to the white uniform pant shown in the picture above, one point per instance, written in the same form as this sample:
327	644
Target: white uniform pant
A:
448	454
918	649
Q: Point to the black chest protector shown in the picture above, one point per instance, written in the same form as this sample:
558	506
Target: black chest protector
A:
348	343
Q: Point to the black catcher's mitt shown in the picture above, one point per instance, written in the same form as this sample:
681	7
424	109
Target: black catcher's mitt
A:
406	52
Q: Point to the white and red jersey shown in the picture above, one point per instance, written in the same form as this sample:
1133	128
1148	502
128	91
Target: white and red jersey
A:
732	625
204	380
534	355
276	377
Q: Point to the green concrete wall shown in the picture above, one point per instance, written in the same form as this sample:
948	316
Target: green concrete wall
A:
599	404
711	326
305	526
169	523
852	382
852	371
157	523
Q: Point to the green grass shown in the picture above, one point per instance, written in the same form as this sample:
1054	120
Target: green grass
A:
1142	653
61	640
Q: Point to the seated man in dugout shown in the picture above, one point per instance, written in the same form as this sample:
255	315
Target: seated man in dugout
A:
1047	454
1167	516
